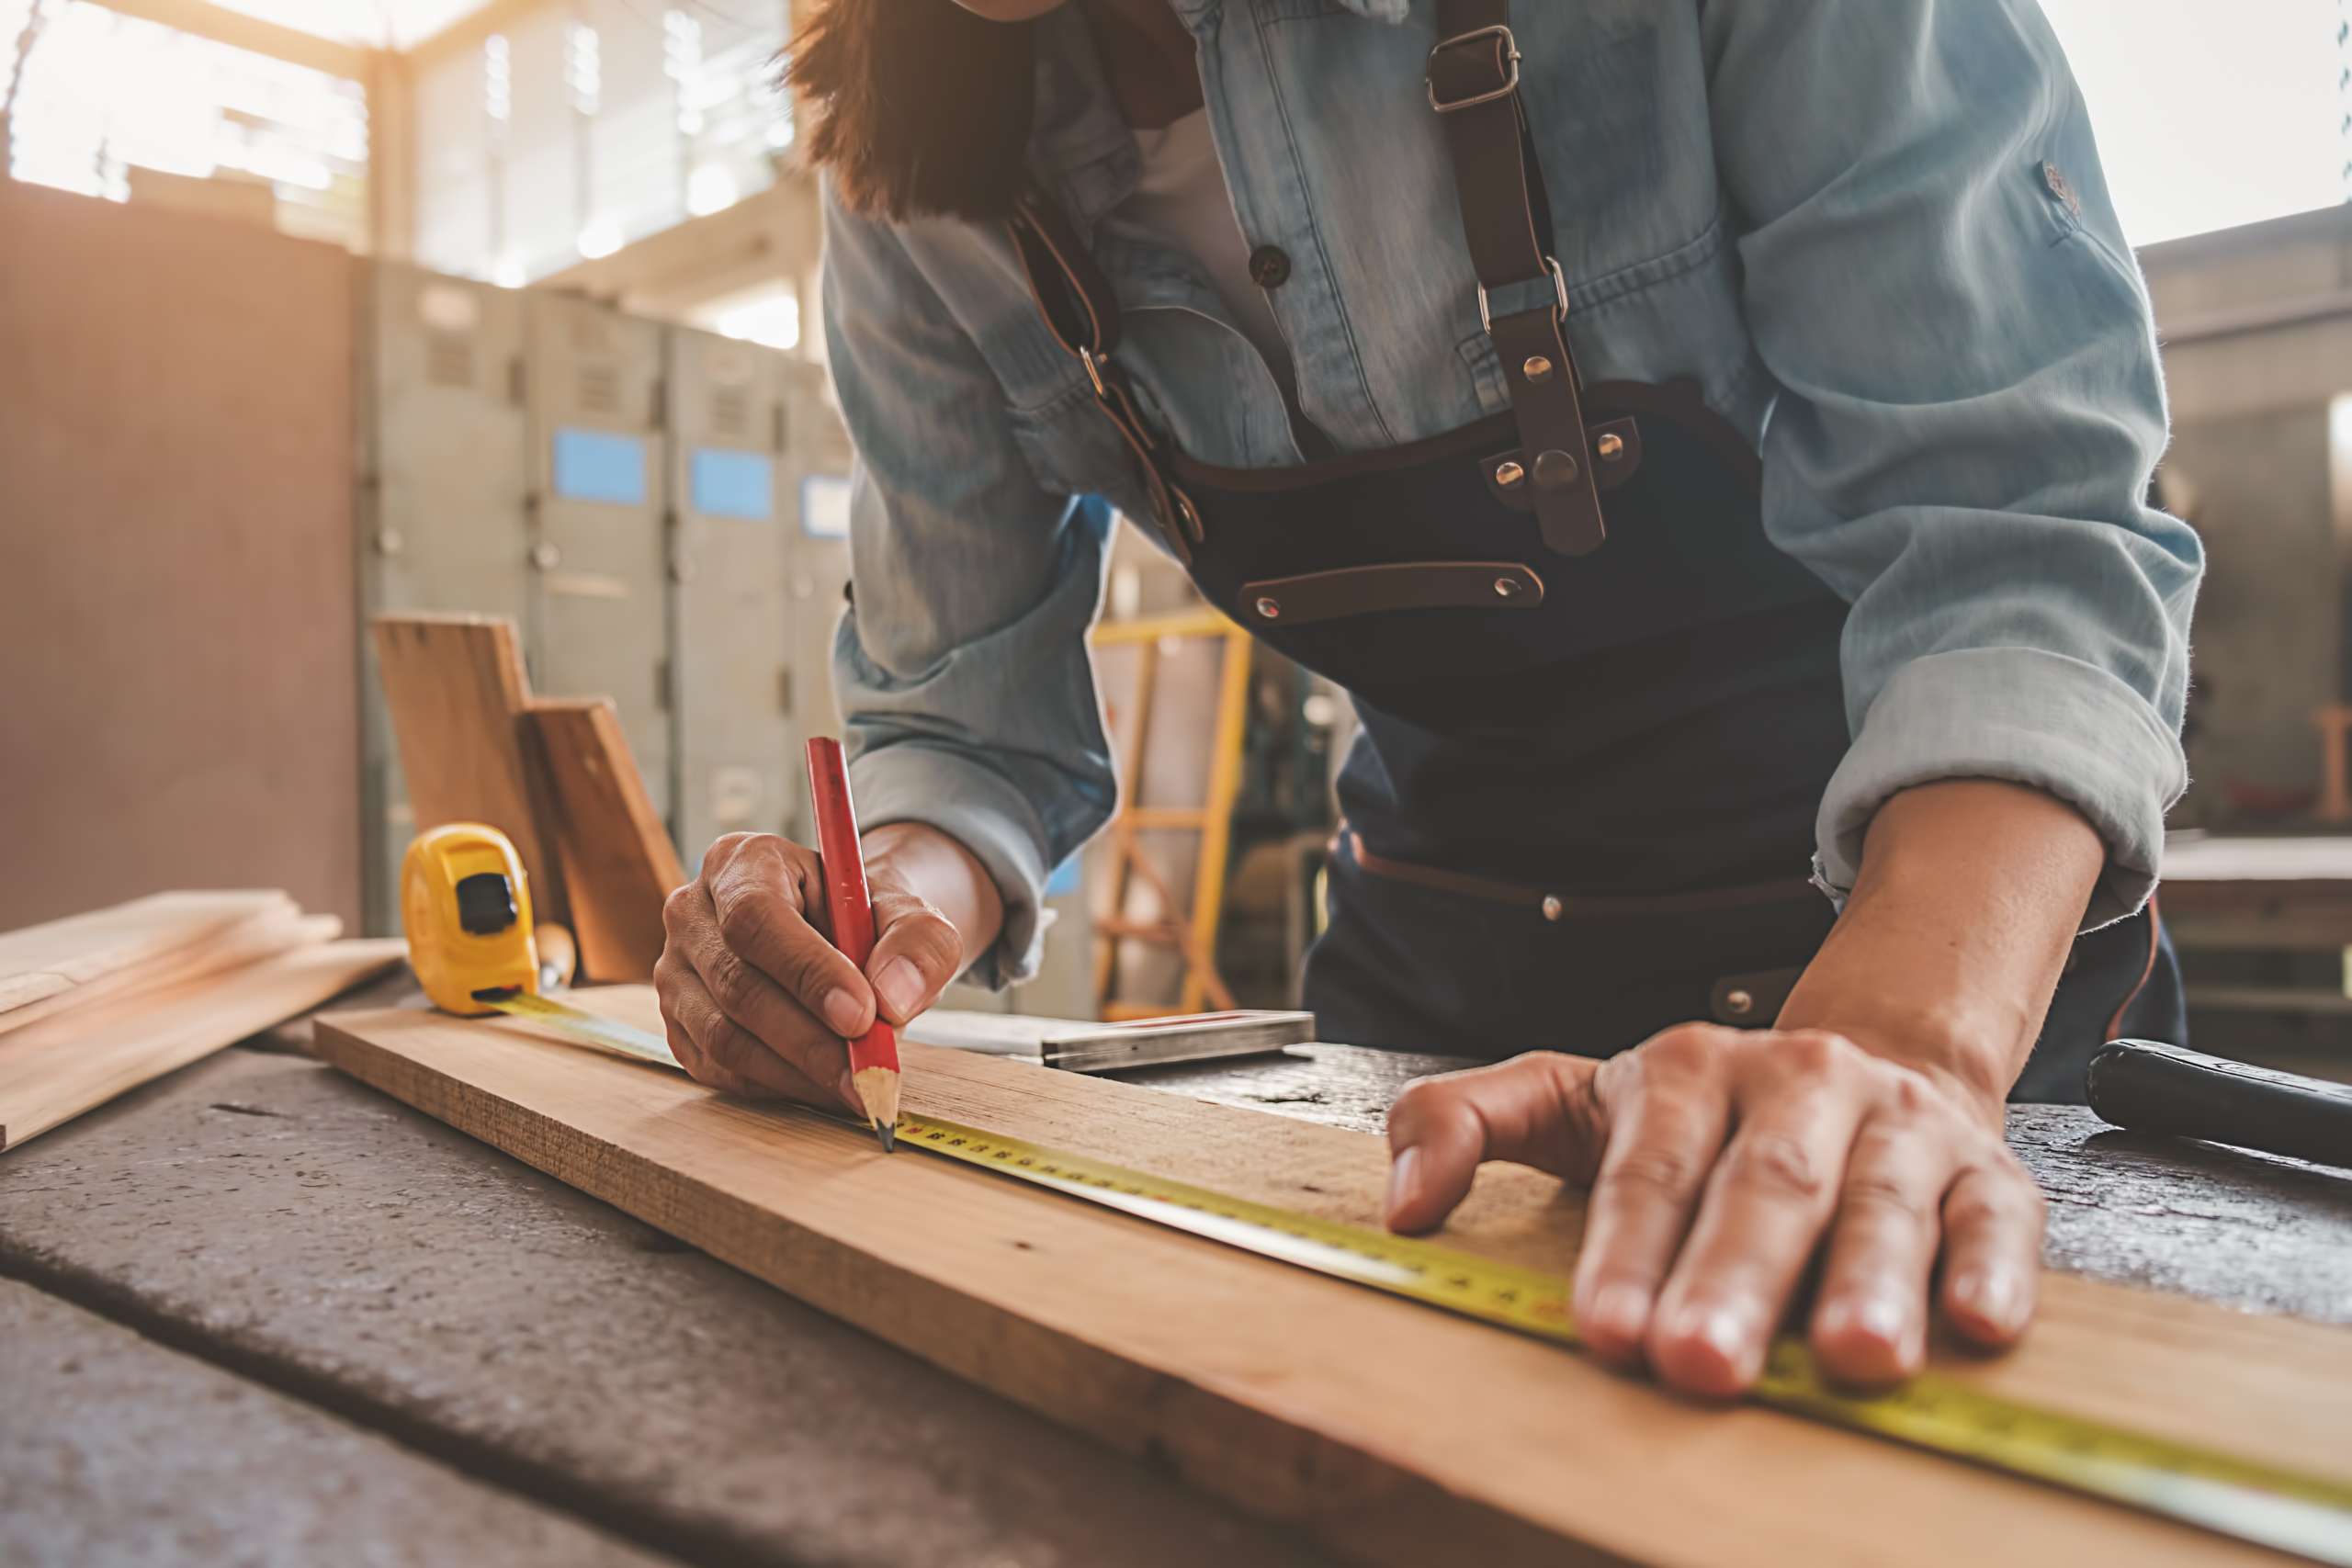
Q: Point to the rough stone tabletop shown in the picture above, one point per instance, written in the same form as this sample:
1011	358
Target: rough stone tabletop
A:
258	1257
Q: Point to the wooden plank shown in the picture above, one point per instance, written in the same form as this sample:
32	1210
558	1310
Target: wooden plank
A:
1397	1433
618	863
47	961
275	929
457	692
55	1070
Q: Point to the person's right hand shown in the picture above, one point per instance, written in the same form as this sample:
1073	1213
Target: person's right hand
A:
754	997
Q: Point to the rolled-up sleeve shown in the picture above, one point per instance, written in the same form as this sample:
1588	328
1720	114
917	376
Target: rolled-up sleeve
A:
965	682
1970	408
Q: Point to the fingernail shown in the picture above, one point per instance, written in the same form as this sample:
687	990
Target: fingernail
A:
1620	1311
842	1012
900	986
1403	1179
1724	1330
1992	1294
1878	1317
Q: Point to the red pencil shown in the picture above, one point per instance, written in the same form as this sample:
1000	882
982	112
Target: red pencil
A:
874	1057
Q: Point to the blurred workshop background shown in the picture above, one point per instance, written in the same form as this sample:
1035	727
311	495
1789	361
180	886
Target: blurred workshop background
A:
312	309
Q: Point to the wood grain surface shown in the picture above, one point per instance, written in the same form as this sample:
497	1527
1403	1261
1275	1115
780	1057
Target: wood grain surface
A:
276	927
457	692
45	963
1394	1432
58	1068
618	864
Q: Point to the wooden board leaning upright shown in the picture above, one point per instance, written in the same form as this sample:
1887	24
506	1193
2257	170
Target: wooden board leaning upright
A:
1396	1433
554	775
457	691
618	863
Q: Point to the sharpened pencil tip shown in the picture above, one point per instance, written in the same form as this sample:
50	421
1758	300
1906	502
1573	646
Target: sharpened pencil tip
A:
888	1135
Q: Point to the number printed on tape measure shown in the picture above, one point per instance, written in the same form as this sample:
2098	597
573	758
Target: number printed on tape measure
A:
2253	1501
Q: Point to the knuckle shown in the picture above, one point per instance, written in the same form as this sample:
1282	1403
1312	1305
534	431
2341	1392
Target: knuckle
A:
807	967
1424	1101
744	919
1776	1164
1665	1172
1686	1051
916	926
1818	1052
722	851
939	946
1415	1101
1908	1093
1988	1202
678	908
1884	1194
731	982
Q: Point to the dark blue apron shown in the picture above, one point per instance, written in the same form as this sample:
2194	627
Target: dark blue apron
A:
1599	707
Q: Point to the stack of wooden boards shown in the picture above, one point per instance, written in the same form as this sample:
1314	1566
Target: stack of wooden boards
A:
1398	1434
100	1003
554	775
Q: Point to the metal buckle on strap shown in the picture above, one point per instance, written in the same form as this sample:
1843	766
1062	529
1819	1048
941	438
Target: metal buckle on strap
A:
1559	291
1094	373
1510	66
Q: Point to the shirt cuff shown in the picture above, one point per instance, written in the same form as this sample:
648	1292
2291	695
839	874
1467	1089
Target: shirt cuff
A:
2028	716
910	781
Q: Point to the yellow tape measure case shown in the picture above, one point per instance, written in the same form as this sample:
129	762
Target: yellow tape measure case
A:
466	906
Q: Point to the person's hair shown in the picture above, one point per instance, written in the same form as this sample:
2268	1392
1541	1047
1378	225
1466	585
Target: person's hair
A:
915	108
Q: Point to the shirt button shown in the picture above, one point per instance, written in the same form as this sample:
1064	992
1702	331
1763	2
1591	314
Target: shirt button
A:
1270	266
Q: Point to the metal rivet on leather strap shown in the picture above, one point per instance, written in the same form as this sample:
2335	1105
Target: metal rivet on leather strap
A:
1555	468
1270	608
1508	587
1537	367
1739	1003
1610	448
1552	906
1508	472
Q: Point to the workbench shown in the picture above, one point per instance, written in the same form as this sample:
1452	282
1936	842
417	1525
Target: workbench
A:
2230	891
258	1312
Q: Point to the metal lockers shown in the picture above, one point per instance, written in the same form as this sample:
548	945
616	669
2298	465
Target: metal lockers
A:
443	473
660	511
599	461
733	769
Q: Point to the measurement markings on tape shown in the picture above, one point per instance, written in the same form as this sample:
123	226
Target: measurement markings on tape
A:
2309	1515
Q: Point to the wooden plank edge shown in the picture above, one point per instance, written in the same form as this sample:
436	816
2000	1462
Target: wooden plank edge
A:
1347	1496
312	976
251	941
234	907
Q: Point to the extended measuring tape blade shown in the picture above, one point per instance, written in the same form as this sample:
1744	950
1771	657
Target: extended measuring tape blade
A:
585	1027
2260	1504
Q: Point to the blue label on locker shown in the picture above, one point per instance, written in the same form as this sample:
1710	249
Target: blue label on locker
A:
733	484
595	464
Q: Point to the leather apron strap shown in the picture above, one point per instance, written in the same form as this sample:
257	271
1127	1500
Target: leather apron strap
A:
1473	83
1474	77
1082	313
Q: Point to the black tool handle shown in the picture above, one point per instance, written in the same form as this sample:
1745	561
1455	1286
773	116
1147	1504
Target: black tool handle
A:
2153	1087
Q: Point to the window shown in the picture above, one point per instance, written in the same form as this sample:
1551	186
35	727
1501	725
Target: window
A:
2209	116
101	95
607	121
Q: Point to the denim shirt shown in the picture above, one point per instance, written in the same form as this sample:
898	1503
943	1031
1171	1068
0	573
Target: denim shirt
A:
1874	231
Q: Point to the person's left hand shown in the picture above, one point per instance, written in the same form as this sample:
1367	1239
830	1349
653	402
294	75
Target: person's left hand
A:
1719	1160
